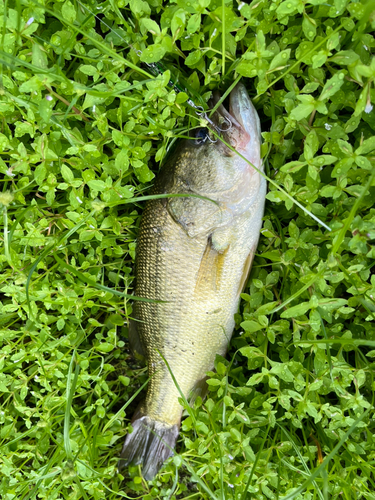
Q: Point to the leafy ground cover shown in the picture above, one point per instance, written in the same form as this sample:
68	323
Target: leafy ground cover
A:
84	128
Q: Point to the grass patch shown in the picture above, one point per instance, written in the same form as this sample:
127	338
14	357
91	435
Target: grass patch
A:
86	121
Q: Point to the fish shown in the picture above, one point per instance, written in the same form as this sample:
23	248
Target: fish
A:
193	258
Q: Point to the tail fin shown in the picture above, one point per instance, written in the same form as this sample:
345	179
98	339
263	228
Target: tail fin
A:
150	443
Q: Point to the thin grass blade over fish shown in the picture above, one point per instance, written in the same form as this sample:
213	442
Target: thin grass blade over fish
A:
195	255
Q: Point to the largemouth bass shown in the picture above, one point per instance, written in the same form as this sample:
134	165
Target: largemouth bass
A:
195	255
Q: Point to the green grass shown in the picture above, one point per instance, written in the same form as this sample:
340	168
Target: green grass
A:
85	126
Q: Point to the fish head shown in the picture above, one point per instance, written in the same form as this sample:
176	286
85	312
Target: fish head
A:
209	167
239	126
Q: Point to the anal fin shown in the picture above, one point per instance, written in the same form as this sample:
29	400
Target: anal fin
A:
200	389
246	271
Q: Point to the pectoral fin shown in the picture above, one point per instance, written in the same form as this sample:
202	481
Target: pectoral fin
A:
135	342
198	216
210	270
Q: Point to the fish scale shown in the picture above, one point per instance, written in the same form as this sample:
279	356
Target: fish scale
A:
193	256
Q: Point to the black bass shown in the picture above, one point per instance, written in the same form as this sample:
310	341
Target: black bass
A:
195	255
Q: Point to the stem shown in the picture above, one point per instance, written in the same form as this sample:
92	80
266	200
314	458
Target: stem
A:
223	37
312	118
6	240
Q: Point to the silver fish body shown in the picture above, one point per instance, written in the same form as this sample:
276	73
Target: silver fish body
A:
194	254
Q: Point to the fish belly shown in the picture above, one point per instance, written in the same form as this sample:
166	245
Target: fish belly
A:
200	289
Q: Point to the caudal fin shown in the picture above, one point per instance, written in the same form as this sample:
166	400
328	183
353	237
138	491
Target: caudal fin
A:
150	443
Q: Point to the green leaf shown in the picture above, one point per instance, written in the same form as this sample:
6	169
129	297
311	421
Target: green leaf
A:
332	86
367	146
297	310
193	23
139	8
46	107
40	173
247	69
280	60
153	53
122	160
282	371
213	382
150	25
178	23
105	347
361	102
311	145
88	69
303	110
251	326
68	11
31	85
293	166
193	58
67	174
39	56
97	185
23	128
344	57
309	27
289	7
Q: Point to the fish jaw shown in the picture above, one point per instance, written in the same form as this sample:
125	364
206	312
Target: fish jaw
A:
243	111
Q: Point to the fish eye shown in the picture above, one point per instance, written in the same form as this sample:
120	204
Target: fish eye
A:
201	136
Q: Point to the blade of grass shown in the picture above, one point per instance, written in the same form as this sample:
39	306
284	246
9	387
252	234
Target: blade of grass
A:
157	197
298	293
245	493
19	219
174	485
117	493
15	62
225	95
48	475
223	37
303	462
340	237
70	390
198	480
328	349
110	422
356	342
104	288
295	469
78	483
323	465
6	238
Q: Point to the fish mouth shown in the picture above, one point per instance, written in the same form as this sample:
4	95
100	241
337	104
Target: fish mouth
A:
244	133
